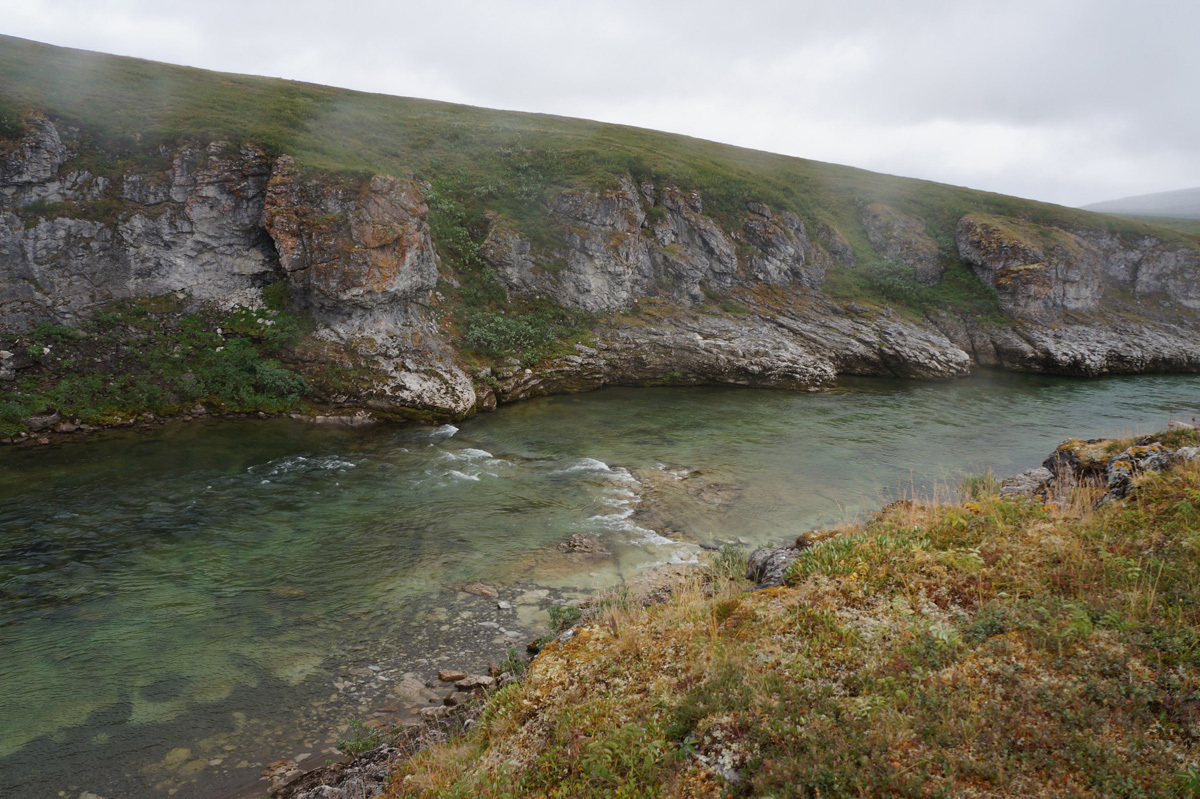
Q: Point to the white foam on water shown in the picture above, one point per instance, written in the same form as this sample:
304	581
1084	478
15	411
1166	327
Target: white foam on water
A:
445	431
653	538
622	474
299	464
675	472
463	475
676	559
585	465
472	454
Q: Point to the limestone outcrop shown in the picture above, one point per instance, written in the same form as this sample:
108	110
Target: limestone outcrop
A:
613	248
346	248
193	227
1041	273
680	295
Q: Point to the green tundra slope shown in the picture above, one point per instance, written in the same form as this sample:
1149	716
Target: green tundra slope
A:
129	107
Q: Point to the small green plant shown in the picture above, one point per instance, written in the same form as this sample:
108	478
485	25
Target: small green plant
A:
513	663
729	562
359	738
528	336
979	486
564	617
629	756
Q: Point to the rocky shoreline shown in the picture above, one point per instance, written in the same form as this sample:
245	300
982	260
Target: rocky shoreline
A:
61	431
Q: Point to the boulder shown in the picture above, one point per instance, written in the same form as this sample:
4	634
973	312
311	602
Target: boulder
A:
1077	458
43	421
1029	483
1135	460
474	682
1186	454
459	698
768	566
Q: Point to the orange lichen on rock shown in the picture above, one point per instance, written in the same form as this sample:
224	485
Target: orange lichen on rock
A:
366	245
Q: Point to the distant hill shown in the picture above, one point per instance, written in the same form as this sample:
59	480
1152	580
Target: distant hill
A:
1180	204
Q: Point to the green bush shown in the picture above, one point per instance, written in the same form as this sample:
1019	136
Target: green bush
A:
11	122
152	356
360	738
528	337
897	282
50	333
564	617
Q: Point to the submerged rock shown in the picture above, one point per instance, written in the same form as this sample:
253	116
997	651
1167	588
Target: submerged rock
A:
584	544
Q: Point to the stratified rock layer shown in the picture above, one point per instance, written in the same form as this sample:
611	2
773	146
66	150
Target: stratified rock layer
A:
681	296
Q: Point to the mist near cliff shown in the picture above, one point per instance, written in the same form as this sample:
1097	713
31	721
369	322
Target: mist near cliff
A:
1070	102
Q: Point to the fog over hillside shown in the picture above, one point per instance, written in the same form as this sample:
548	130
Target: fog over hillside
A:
1184	204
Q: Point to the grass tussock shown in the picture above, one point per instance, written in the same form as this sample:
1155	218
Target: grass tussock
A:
998	647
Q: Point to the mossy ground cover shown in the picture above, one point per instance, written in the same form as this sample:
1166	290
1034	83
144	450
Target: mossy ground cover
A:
160	356
999	647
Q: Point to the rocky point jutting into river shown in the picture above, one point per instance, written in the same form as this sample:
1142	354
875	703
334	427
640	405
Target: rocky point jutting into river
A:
678	295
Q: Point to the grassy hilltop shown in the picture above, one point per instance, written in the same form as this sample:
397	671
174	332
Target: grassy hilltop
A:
486	159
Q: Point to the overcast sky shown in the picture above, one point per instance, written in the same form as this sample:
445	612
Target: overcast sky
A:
1070	101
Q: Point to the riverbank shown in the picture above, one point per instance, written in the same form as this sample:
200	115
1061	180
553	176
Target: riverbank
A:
1036	643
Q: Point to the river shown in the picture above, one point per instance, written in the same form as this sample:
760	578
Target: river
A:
181	606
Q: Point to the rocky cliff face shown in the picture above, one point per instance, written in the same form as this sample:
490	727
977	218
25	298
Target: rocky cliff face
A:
359	257
901	238
350	249
219	222
193	227
635	242
1044	273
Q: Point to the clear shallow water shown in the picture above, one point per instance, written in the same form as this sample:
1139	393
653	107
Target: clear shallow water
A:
210	587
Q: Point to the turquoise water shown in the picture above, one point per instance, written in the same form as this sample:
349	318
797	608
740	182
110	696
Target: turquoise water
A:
178	608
